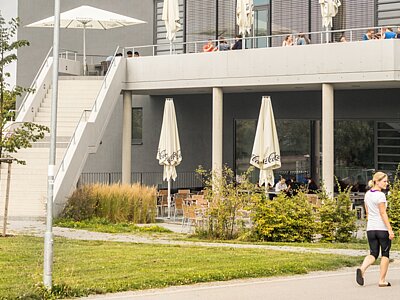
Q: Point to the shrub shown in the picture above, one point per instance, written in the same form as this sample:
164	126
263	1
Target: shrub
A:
337	219
228	200
394	203
116	203
283	219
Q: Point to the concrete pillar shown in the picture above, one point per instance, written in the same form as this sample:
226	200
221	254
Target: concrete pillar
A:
127	137
217	130
327	137
315	151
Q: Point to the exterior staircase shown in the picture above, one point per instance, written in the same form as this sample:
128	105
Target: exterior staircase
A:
28	190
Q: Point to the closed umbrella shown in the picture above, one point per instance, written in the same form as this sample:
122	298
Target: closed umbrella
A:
266	155
329	9
170	16
244	17
88	17
169	149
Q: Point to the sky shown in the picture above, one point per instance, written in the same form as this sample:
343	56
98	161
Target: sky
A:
8	10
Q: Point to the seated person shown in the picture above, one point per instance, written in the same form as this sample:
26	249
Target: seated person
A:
136	54
369	35
129	54
387	33
222	44
302	39
238	43
288	41
209	47
281	185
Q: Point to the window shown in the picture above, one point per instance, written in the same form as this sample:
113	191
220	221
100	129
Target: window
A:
137	125
294	143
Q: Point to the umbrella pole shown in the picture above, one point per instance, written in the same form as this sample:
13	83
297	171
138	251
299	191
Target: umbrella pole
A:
169	198
84	49
170	47
244	41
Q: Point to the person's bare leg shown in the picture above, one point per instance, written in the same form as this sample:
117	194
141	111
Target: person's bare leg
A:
368	260
383	267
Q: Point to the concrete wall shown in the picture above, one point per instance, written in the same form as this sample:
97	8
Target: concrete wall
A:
346	65
98	42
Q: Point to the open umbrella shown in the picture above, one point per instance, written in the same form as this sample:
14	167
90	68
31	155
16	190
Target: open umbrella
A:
266	155
170	16
329	9
88	17
169	149
244	17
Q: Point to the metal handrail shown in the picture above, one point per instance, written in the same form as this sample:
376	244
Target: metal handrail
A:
267	37
94	108
73	140
34	82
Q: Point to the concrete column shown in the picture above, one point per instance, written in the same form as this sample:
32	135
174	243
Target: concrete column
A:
327	137
127	137
217	130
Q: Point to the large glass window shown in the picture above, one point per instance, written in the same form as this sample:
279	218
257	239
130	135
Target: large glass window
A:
261	25
294	142
137	125
354	152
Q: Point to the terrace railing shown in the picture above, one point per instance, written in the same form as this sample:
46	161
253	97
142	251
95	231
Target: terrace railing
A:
316	37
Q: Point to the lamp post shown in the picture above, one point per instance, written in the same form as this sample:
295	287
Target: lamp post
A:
48	237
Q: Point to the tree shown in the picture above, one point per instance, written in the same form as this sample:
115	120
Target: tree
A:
14	136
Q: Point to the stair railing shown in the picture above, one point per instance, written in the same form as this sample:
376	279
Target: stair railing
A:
33	86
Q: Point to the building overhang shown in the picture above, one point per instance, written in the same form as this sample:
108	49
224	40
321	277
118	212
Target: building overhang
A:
356	65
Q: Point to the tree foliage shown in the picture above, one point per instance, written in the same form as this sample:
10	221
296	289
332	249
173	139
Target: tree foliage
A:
394	202
14	135
337	218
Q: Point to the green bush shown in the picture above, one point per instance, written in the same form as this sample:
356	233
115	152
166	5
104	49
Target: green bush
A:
337	218
116	203
394	203
284	219
228	200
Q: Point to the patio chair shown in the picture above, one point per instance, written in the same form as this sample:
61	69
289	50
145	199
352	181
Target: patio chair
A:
185	191
178	206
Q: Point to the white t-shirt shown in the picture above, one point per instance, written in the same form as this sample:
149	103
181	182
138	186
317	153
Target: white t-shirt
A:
280	187
372	199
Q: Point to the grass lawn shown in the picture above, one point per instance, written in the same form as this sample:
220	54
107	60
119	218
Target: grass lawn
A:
88	267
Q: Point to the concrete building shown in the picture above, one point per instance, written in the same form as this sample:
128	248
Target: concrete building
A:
355	85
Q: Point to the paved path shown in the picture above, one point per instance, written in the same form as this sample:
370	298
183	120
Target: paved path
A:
38	228
314	286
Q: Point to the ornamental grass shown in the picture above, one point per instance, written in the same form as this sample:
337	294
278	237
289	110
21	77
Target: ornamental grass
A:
117	203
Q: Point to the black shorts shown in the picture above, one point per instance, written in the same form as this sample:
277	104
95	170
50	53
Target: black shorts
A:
379	240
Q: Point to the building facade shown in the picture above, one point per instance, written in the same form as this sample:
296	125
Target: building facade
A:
367	116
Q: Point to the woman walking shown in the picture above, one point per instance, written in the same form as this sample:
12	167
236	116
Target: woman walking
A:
379	231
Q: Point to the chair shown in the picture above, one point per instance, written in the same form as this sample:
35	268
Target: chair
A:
186	191
162	202
92	70
314	200
191	215
178	206
104	67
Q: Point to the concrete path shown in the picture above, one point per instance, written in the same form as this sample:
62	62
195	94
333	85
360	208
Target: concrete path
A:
314	286
37	228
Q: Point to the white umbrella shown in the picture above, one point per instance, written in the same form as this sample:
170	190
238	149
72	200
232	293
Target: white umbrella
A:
329	9
266	154
88	17
170	16
169	149
244	17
